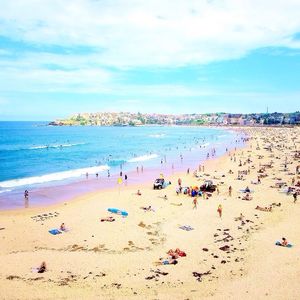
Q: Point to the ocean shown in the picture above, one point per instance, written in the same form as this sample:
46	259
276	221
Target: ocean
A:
35	156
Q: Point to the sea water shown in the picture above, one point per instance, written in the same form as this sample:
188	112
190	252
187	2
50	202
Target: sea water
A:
34	155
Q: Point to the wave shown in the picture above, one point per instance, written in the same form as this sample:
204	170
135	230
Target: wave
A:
52	177
158	136
142	158
55	146
5	191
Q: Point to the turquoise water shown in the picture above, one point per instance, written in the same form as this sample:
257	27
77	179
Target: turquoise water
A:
32	154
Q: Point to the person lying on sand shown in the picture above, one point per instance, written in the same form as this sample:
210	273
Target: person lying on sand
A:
173	254
168	261
42	268
263	208
247	197
149	208
240	218
108	219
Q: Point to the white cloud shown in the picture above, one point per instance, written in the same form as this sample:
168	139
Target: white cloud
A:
133	34
159	33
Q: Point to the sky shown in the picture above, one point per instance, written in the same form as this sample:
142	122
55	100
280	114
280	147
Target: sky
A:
165	56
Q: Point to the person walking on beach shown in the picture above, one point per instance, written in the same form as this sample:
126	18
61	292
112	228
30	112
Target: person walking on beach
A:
295	197
230	190
188	171
219	210
87	175
26	194
179	182
195	202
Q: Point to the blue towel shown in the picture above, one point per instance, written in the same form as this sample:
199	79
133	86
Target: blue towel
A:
118	211
54	231
287	246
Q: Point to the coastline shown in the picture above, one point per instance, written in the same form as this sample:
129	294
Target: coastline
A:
61	191
125	250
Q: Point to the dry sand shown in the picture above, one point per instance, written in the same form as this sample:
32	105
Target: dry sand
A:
103	260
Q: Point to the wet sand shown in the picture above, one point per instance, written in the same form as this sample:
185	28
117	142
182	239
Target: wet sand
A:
226	258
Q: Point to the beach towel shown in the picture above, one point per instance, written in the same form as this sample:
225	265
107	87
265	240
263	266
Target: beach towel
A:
244	191
55	231
186	228
118	211
287	246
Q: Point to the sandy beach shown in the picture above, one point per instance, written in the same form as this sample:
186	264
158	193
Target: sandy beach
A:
121	259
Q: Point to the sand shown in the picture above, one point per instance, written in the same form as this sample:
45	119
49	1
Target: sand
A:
117	260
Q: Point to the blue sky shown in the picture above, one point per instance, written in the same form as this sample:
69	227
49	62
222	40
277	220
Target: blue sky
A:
62	57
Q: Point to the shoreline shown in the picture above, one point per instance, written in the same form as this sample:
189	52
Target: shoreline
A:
116	260
56	192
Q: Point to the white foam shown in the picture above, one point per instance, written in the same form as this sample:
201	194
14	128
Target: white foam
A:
142	158
5	191
52	177
54	146
158	136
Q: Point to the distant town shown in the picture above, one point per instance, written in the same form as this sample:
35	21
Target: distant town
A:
139	119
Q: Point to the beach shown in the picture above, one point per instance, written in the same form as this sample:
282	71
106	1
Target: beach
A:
122	259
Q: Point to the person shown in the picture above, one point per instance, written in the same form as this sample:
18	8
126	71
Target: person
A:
188	171
218	191
295	197
42	268
121	173
108	219
139	193
126	177
241	217
284	242
219	210
247	197
247	190
179	181
97	175
62	227
165	197
258	180
108	173
87	175
230	190
26	194
195	202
